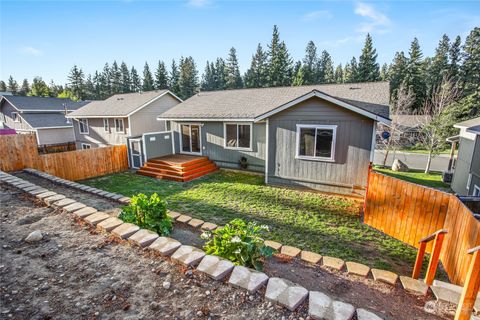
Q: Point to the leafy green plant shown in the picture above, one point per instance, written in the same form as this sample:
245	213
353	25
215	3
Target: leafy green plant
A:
148	213
239	242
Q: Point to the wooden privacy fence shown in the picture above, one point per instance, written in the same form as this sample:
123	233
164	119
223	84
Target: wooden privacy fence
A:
409	212
20	151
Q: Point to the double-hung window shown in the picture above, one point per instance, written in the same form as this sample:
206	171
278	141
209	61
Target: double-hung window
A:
238	136
316	142
106	125
118	125
83	126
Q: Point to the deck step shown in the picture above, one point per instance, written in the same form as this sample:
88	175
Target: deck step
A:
450	293
178	167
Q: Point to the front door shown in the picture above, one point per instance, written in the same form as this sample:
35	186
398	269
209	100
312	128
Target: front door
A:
190	140
136	153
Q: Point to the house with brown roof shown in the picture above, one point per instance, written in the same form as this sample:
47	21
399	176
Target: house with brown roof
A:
318	137
112	121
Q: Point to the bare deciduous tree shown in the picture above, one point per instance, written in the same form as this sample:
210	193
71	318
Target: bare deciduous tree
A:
433	128
401	106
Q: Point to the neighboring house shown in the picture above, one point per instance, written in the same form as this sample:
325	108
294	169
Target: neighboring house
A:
40	115
466	177
320	137
408	130
111	121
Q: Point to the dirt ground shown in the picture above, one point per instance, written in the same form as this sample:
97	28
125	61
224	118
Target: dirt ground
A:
74	273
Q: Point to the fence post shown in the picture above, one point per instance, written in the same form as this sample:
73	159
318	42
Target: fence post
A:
470	288
433	264
419	261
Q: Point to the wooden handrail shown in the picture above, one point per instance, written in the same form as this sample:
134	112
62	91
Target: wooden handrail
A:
470	288
432	236
434	257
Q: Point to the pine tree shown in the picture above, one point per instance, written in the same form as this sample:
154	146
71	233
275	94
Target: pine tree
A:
188	81
147	83
415	75
384	72
76	82
53	89
40	89
136	82
116	78
327	74
454	56
339	74
397	73
471	62
257	75
174	79
12	85
351	71
3	86
438	66
25	88
310	64
126	80
368	68
220	81
106	87
298	80
232	71
279	62
90	93
97	86
208	78
161	76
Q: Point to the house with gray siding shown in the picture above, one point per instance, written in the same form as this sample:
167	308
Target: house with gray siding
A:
122	116
319	137
43	116
466	176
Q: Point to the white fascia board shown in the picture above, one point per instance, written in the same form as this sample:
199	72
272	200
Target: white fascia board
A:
328	98
152	100
159	118
96	116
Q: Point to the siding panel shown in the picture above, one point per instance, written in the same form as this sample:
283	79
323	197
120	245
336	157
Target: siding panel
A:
97	136
145	120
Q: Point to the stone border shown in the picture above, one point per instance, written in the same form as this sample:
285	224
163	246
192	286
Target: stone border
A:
278	290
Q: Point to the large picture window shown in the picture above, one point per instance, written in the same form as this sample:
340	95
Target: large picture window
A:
83	126
238	136
316	142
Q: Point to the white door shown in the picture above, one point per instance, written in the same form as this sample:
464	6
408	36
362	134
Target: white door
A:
136	153
190	141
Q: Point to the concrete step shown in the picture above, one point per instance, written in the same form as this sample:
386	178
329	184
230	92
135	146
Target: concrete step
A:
450	293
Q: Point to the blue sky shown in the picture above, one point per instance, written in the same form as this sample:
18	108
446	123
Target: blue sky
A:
47	38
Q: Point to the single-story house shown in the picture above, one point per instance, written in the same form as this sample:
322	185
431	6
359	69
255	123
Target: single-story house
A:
466	176
41	115
407	132
319	137
112	121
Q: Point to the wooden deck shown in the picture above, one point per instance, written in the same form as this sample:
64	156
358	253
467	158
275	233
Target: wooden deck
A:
178	167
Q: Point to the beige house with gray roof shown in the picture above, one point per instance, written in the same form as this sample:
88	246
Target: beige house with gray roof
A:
319	137
112	121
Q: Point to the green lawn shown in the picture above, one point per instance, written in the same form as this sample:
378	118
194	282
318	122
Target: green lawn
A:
326	224
432	180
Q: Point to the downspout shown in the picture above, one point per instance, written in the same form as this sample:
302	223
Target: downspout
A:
267	129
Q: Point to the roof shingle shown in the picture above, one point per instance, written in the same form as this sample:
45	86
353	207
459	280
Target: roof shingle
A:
23	103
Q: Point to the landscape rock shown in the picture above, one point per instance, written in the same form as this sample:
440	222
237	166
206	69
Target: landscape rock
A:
39	190
174	215
63	203
321	306
45	194
125	230
215	267
109	224
166	285
74	207
357	268
54	198
246	278
188	256
143	237
310	257
195	223
290	251
334	263
399	166
285	292
272	244
184	218
208	226
34	236
385	276
363	314
96	218
165	246
84	212
414	285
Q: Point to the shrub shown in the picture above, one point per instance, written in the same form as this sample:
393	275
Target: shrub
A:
148	213
239	242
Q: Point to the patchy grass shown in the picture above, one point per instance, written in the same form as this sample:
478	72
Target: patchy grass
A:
432	180
326	224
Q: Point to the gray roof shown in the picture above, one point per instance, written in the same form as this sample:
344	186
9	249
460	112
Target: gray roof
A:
472	125
253	103
46	120
24	103
119	105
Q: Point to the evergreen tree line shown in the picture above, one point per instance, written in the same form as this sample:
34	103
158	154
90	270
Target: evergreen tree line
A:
274	66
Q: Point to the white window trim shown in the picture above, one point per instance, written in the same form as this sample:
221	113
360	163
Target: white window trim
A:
80	127
237	124
15	118
116	127
189	124
476	191
85	145
316	126
107	123
469	180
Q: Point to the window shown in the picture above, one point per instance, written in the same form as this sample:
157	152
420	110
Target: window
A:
469	180
106	125
168	125
15	117
316	142
476	191
86	146
238	136
118	125
83	126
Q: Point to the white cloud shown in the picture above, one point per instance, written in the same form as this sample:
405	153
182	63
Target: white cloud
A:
31	51
339	42
376	21
198	3
316	15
